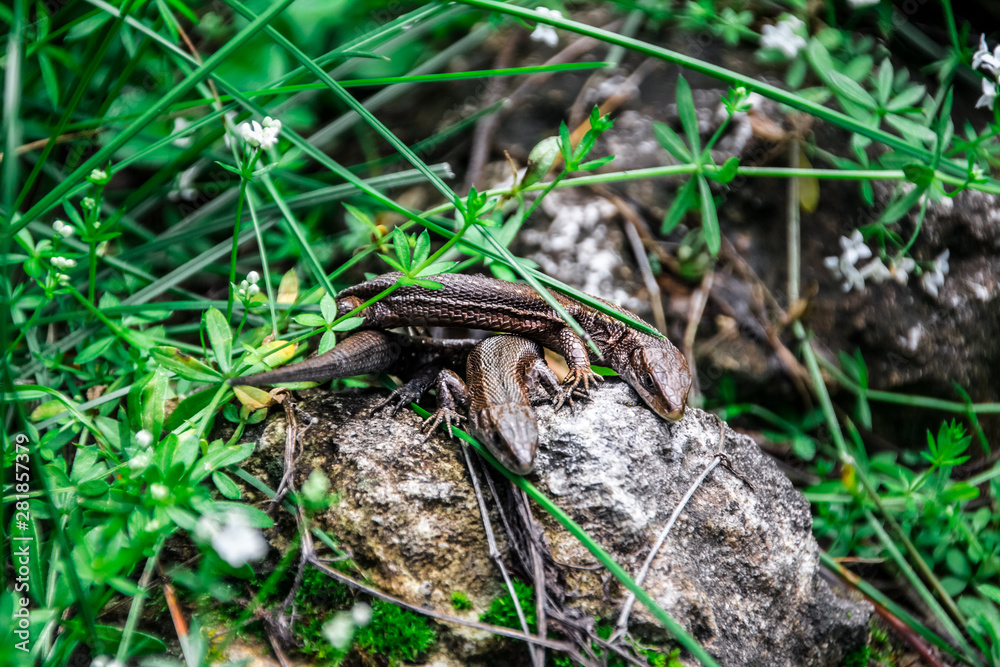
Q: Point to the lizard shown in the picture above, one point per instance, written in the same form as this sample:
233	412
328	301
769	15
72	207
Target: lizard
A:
501	374
363	352
654	367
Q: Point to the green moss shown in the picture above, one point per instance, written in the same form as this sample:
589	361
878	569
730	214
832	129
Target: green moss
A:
502	611
317	598
858	658
460	601
395	633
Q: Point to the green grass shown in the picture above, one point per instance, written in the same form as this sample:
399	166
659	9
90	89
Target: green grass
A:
114	378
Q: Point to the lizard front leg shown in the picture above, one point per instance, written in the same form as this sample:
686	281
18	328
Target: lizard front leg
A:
575	351
451	394
409	392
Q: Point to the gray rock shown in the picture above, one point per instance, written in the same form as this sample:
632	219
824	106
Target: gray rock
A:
739	570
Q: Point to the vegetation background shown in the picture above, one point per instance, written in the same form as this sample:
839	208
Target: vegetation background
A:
185	186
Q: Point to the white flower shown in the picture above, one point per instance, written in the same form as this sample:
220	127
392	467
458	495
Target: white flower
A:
253	277
237	543
62	277
846	271
88	203
139	462
269	135
144	438
179	125
899	269
98	176
185	182
253	291
361	613
260	136
854	248
876	271
250	133
784	36
855	4
159	491
62	229
989	94
544	33
339	630
63	263
934	278
941	262
983	58
853	279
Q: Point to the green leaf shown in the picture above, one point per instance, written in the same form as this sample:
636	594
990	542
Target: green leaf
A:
93	488
220	336
846	87
361	216
187	367
959	492
683	202
595	164
94	350
907	99
565	144
883	82
709	217
920	174
328	306
229	167
689	114
899	207
402	247
187	409
672	142
910	129
422	249
49	78
327	342
154	403
429	284
436	268
990	591
349	324
310	320
226	486
728	171
393	263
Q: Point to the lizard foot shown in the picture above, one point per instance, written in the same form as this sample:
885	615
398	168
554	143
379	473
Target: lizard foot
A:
449	417
571	385
395	400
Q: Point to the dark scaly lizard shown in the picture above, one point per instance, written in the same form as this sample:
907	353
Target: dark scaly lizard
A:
652	366
502	373
416	358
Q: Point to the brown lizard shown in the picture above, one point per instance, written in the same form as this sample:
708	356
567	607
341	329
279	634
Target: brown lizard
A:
652	366
501	374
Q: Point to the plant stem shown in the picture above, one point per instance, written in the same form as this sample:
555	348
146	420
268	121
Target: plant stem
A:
236	245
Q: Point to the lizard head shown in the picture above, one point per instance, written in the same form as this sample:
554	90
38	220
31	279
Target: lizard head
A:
510	433
659	373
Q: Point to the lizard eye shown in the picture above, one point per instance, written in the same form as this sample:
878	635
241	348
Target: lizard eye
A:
647	381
